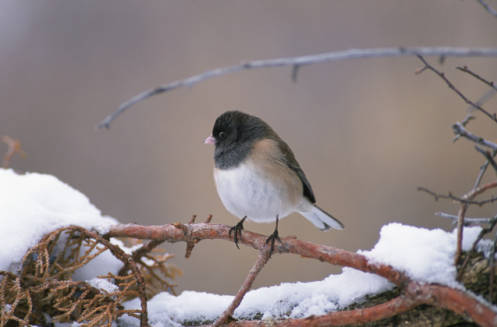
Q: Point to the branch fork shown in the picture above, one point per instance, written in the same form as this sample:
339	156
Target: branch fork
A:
413	293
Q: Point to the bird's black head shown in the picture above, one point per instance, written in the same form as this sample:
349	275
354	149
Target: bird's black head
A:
234	133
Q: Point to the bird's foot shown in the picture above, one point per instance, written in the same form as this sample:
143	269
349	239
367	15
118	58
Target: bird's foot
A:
237	231
271	239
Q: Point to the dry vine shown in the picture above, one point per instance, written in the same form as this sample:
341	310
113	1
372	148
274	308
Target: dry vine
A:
44	286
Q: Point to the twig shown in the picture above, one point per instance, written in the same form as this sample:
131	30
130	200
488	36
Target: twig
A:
462	212
462	200
125	258
483	232
459	129
14	146
139	253
479	177
262	259
466	70
488	156
491	263
487	7
468	221
481	101
299	62
456	90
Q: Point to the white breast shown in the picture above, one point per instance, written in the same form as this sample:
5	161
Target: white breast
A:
248	191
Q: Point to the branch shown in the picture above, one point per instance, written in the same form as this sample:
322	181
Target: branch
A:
489	156
466	70
468	221
487	7
262	259
414	293
459	129
461	200
298	62
451	86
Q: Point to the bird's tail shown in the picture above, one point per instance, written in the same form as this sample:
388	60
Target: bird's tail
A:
321	219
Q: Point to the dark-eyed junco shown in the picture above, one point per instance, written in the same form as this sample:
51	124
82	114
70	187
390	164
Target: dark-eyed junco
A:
258	177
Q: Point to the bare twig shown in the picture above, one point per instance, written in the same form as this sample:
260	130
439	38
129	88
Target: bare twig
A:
299	62
491	263
479	177
489	156
462	212
459	129
262	259
468	221
487	7
456	90
452	197
481	101
14	146
466	70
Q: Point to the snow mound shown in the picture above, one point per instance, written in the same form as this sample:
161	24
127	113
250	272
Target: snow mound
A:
32	205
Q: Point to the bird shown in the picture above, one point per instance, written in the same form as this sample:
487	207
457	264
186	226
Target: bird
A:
257	176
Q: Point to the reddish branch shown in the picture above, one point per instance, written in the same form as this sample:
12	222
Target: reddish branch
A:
413	293
263	257
14	146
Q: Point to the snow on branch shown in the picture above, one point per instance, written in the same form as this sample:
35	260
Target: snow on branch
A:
298	62
413	292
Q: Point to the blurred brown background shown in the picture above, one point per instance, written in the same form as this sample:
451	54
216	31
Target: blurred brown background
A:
367	132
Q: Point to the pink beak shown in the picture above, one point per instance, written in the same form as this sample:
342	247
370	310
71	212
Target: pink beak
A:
210	140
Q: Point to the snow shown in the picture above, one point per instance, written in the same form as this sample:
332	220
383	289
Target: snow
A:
424	255
103	284
33	204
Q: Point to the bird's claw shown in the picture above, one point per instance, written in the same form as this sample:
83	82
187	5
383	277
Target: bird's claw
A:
237	231
272	239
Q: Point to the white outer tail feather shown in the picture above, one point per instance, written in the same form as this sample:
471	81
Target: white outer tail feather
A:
321	219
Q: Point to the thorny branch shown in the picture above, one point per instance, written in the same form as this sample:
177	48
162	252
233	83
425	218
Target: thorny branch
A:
297	62
451	86
461	200
464	201
466	70
414	293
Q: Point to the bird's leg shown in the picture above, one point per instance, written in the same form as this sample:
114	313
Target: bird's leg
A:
273	237
237	231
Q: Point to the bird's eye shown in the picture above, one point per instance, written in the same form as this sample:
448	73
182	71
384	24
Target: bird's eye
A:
221	135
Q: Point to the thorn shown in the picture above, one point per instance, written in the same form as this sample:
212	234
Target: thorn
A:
295	72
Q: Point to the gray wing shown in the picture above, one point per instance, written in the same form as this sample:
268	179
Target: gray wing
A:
290	160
